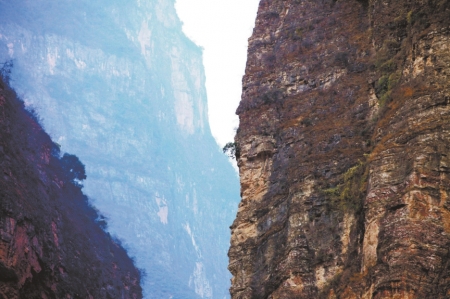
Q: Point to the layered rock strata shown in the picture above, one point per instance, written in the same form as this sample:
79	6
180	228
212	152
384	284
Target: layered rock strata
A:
51	242
343	152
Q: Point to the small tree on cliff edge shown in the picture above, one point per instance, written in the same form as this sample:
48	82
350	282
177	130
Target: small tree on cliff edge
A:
230	150
73	168
5	70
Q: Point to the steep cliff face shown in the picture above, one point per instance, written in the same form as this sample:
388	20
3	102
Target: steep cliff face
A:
118	84
343	143
51	244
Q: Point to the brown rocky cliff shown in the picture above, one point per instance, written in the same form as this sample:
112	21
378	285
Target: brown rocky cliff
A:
51	245
343	152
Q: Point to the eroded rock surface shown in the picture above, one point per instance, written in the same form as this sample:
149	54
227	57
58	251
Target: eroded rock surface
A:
51	242
343	140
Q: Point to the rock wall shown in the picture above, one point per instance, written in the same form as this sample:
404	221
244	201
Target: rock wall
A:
343	152
51	242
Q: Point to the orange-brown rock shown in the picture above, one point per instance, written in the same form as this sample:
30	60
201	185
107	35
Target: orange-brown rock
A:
343	152
51	244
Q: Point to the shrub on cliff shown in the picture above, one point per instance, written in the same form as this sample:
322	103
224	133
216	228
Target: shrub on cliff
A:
73	168
230	150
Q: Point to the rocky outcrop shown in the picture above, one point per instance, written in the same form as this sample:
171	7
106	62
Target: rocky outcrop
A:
51	242
343	152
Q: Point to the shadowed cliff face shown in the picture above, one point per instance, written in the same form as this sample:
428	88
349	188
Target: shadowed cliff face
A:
343	142
51	245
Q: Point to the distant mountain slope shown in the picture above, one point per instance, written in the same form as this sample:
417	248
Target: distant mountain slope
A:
51	244
118	84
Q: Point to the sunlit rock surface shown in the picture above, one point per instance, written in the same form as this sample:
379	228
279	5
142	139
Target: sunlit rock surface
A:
344	142
120	86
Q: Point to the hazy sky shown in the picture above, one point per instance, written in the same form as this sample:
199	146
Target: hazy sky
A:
222	28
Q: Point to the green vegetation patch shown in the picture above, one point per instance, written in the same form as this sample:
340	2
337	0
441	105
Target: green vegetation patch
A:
349	195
